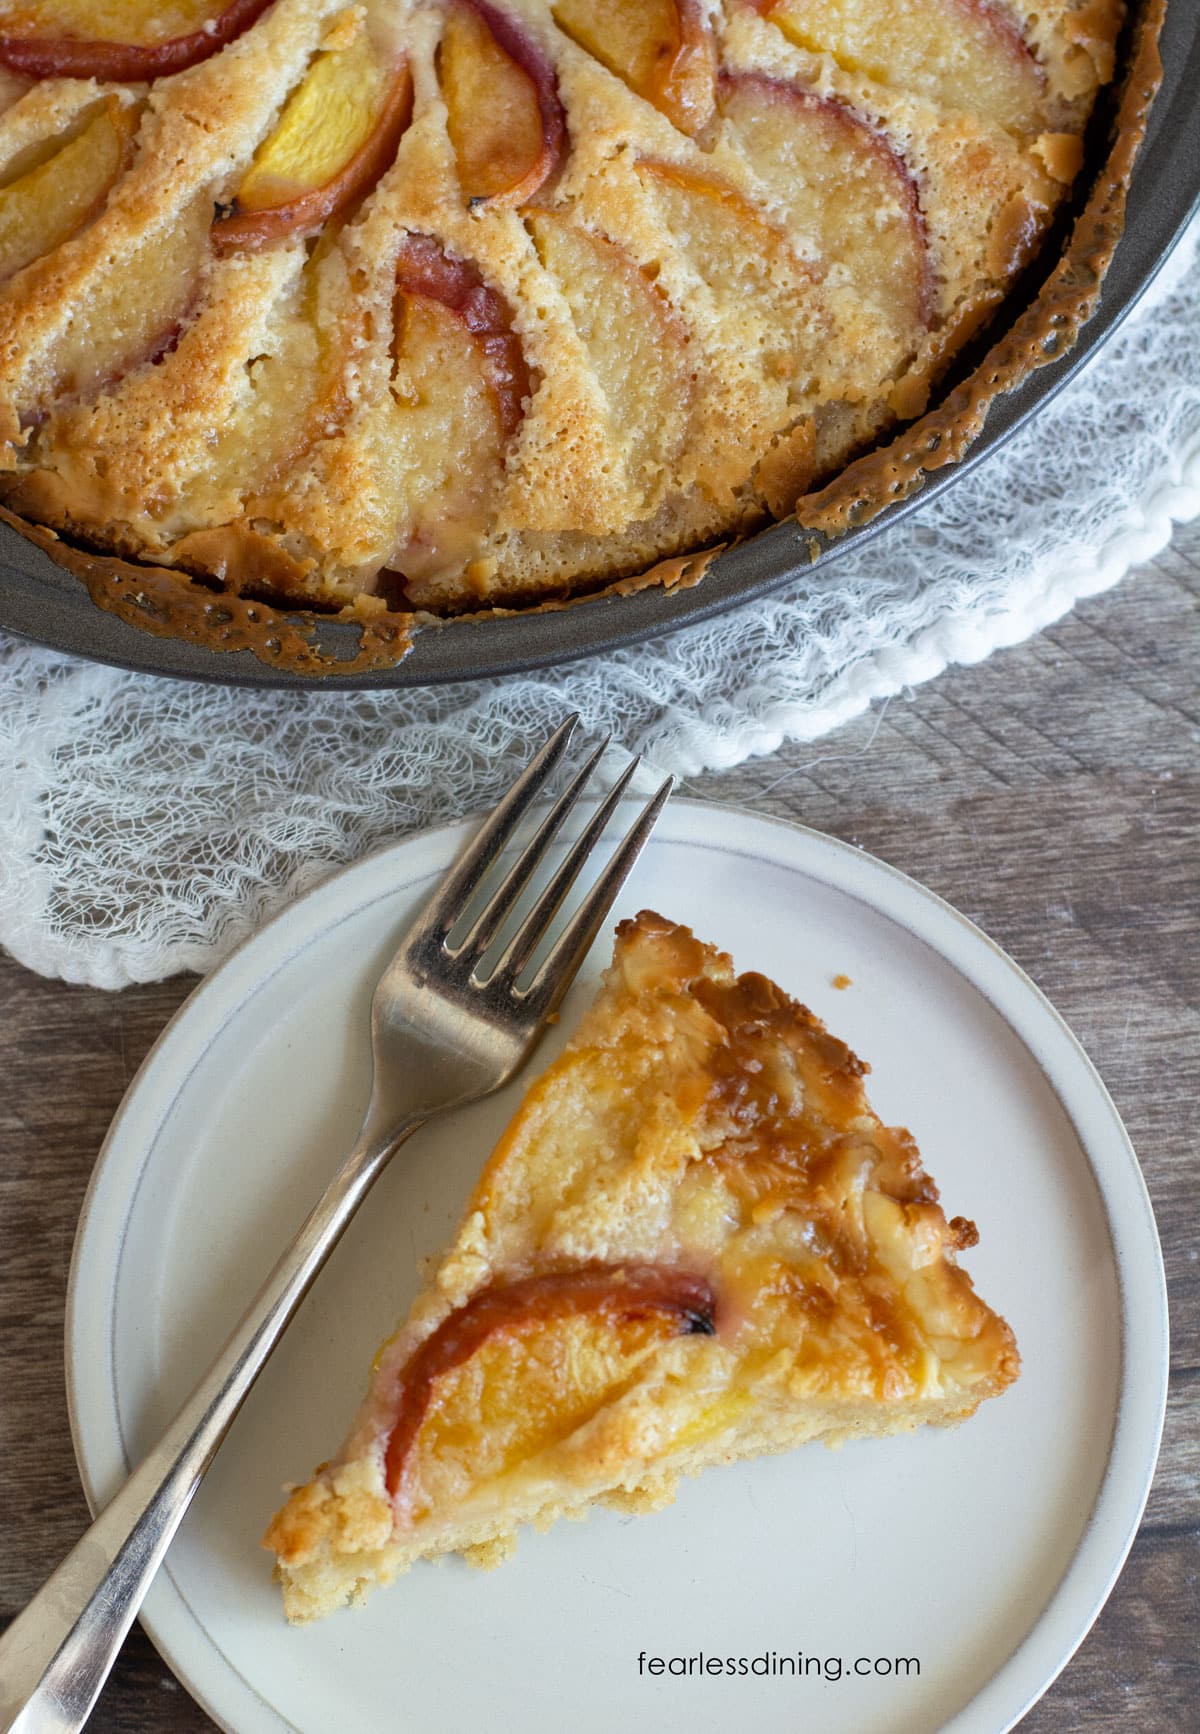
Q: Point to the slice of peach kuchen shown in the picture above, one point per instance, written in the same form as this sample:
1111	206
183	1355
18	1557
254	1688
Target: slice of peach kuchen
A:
695	1242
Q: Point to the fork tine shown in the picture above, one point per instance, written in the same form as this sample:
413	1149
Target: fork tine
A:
447	902
571	947
573	944
528	936
488	923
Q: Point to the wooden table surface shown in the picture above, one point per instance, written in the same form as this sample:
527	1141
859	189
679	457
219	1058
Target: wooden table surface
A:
1052	795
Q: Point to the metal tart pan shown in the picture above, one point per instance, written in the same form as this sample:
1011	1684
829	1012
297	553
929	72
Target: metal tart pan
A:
41	601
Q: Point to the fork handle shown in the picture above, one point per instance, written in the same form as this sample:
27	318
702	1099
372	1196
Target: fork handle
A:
56	1655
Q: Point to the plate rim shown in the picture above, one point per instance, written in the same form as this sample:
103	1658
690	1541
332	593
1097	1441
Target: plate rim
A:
1104	1542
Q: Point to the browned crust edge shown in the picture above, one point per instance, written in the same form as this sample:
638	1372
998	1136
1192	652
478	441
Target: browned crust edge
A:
165	602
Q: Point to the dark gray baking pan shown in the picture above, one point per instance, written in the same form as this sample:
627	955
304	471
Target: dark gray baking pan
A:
41	601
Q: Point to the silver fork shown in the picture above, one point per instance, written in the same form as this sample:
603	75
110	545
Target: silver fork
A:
452	1020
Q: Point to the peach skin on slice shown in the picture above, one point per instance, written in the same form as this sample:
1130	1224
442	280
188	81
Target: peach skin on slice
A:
841	182
337	135
424	271
89	38
505	119
47	205
460	387
962	54
522	1365
662	49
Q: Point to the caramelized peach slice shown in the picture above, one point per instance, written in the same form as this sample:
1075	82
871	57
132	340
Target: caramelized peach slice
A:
662	49
47	205
123	41
506	121
299	389
337	135
686	191
127	316
767	298
425	272
636	344
522	1365
842	184
451	441
962	54
461	384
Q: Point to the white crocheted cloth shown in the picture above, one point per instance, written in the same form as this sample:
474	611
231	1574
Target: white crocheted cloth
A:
147	825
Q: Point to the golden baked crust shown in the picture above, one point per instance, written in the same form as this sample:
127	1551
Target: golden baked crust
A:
699	338
695	1242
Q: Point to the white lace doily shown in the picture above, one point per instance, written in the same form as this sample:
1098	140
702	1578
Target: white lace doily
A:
147	825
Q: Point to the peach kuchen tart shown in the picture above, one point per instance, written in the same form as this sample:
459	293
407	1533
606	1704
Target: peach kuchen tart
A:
695	1242
429	307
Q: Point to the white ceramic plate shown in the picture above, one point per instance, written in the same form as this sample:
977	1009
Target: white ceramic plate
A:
983	1554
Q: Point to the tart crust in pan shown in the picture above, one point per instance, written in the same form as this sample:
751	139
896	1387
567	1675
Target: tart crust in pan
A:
695	1242
703	298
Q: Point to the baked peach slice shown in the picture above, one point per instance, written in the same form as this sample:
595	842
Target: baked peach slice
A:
431	285
523	1365
123	317
662	49
768	324
962	54
337	135
842	183
636	344
704	209
460	386
765	295
505	119
53	199
119	41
